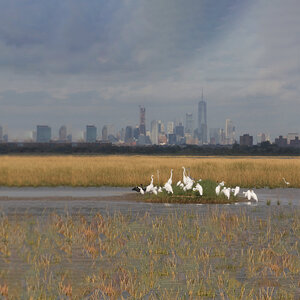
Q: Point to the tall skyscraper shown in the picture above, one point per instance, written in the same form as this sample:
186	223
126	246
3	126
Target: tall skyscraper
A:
43	134
170	127
189	123
154	132
128	134
202	122
229	132
104	133
142	120
91	133
63	133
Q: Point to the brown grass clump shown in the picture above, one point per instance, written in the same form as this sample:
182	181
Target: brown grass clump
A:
131	170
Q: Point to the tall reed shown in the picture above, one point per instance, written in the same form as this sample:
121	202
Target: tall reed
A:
132	170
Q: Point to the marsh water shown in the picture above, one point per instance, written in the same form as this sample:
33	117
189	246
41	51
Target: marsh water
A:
44	200
39	203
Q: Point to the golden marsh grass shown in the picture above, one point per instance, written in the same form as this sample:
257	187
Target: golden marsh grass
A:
131	170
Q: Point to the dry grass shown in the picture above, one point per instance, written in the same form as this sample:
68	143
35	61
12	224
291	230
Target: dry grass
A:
218	255
132	170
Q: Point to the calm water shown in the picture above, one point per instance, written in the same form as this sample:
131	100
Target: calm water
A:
44	200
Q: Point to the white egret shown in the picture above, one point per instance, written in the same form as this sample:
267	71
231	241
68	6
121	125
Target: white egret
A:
198	188
218	188
178	183
150	186
154	190
226	192
168	188
141	190
236	191
248	195
287	183
159	189
170	179
184	177
254	196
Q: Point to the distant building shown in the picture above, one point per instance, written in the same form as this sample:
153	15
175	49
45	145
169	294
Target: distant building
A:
172	139
1	134
214	136
91	134
246	140
170	127
295	142
69	138
179	130
128	134
104	133
136	132
189	123
154	132
229	132
202	122
292	136
281	141
5	138
43	134
142	120
63	133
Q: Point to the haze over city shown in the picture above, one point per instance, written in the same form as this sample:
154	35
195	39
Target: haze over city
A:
79	63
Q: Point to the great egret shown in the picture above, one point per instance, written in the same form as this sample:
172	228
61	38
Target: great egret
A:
287	183
168	188
159	189
236	191
248	195
154	190
141	190
198	188
170	179
184	177
218	188
188	186
226	192
178	183
254	196
149	187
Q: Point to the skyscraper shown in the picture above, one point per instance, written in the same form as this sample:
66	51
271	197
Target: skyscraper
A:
91	133
128	134
104	133
1	134
154	132
142	120
202	121
229	132
43	134
189	123
63	133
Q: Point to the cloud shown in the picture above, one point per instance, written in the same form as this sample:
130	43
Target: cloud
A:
98	60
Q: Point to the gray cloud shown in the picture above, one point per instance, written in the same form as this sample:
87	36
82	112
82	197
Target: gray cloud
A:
82	62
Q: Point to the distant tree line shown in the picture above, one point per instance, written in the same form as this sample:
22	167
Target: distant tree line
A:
98	148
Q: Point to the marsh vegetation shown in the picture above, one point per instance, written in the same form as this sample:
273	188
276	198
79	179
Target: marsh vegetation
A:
132	170
220	254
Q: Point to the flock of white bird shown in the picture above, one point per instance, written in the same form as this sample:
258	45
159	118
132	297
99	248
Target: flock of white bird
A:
188	184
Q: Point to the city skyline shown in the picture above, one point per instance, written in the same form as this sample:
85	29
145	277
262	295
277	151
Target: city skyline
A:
80	63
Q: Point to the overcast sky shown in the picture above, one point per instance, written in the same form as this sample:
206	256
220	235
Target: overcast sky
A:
79	62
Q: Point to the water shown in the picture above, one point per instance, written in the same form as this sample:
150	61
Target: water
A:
45	200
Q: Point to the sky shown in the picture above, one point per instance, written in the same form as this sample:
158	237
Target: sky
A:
79	62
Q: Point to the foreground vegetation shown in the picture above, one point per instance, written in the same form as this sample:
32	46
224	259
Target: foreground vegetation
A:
220	254
132	170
